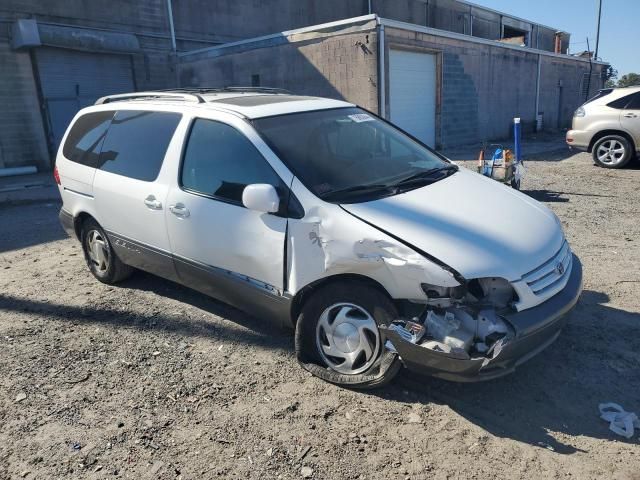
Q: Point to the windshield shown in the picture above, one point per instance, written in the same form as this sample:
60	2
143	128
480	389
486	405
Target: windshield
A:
348	155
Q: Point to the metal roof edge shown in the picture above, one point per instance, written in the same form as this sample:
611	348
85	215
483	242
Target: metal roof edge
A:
311	28
468	38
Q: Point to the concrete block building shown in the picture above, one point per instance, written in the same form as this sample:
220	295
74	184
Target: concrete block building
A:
446	70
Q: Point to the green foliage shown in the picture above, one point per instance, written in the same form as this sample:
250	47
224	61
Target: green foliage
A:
629	80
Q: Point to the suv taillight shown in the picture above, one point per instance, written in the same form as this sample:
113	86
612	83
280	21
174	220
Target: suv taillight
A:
56	175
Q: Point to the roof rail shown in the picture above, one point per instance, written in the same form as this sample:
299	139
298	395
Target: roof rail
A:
204	90
158	94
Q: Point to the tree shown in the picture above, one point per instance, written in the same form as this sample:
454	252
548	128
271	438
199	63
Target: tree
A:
609	75
629	80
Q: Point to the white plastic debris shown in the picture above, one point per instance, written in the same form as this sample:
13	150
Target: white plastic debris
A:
620	422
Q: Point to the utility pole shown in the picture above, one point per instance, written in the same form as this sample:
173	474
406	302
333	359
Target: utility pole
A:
598	31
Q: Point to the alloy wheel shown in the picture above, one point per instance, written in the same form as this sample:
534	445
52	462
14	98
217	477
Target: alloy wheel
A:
611	152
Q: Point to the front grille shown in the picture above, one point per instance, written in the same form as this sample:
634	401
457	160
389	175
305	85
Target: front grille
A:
551	273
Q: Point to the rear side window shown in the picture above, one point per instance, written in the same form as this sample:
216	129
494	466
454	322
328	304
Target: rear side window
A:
85	139
220	161
137	142
634	104
621	102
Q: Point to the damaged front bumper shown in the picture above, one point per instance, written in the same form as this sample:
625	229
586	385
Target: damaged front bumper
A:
535	329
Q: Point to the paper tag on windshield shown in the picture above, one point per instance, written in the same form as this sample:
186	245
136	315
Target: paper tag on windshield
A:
361	117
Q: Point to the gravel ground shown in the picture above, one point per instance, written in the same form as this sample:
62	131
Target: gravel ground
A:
152	380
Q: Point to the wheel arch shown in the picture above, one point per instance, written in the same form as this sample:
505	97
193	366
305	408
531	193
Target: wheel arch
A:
605	133
303	295
78	220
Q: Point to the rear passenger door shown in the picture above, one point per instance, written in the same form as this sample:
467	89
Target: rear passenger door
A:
130	191
221	247
630	118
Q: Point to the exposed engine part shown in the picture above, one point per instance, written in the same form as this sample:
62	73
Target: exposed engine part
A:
456	332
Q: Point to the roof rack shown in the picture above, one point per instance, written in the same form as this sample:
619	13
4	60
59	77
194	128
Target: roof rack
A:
158	94
204	90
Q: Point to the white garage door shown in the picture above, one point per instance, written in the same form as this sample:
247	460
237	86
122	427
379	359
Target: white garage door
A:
412	93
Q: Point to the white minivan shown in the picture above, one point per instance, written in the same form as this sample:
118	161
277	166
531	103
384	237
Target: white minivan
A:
319	215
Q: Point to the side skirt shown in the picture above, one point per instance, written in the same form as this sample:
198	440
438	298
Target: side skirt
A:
245	293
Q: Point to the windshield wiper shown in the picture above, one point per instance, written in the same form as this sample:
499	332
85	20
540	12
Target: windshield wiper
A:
428	175
357	189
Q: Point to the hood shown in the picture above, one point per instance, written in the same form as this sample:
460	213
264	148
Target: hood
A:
475	225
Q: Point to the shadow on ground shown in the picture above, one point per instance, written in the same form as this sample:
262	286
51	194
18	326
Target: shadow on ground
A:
241	328
28	223
556	196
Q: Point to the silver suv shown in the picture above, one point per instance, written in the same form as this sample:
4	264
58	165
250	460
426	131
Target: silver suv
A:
608	126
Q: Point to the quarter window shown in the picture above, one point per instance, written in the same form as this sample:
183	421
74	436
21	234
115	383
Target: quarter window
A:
634	104
220	162
137	142
85	138
621	102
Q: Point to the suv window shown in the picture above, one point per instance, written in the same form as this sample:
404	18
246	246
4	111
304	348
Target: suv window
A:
137	142
85	138
634	104
621	102
220	161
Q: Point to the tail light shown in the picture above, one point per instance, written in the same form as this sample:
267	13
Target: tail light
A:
56	175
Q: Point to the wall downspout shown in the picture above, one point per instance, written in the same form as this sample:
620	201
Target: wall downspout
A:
171	26
537	111
370	9
382	92
173	56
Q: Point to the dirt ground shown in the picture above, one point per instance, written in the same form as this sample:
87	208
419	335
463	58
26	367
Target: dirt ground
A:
152	380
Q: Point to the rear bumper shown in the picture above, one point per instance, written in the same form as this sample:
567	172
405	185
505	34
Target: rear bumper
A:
535	329
67	222
578	140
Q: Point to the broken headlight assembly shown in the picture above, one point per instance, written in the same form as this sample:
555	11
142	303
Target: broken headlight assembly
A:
463	321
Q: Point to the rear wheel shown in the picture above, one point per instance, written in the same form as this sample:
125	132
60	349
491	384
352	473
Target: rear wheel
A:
612	151
338	339
99	255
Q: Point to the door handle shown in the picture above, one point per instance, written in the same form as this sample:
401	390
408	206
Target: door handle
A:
152	203
179	210
630	115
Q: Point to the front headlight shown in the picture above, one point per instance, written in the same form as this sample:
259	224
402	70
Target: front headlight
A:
579	112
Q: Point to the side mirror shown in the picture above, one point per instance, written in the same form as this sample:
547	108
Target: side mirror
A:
261	197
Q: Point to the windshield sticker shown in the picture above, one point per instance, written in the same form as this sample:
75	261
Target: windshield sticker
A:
361	117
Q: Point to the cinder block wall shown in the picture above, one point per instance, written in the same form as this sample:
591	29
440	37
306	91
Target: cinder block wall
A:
339	66
484	87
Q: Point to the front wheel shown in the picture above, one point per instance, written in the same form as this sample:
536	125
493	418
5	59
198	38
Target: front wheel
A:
612	151
338	339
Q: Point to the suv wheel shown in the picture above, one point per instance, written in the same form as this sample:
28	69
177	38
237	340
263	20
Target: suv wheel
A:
338	339
101	259
612	151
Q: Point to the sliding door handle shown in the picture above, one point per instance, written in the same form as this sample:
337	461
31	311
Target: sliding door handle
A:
153	203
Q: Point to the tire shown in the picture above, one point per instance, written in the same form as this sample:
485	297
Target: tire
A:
340	306
612	151
100	256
